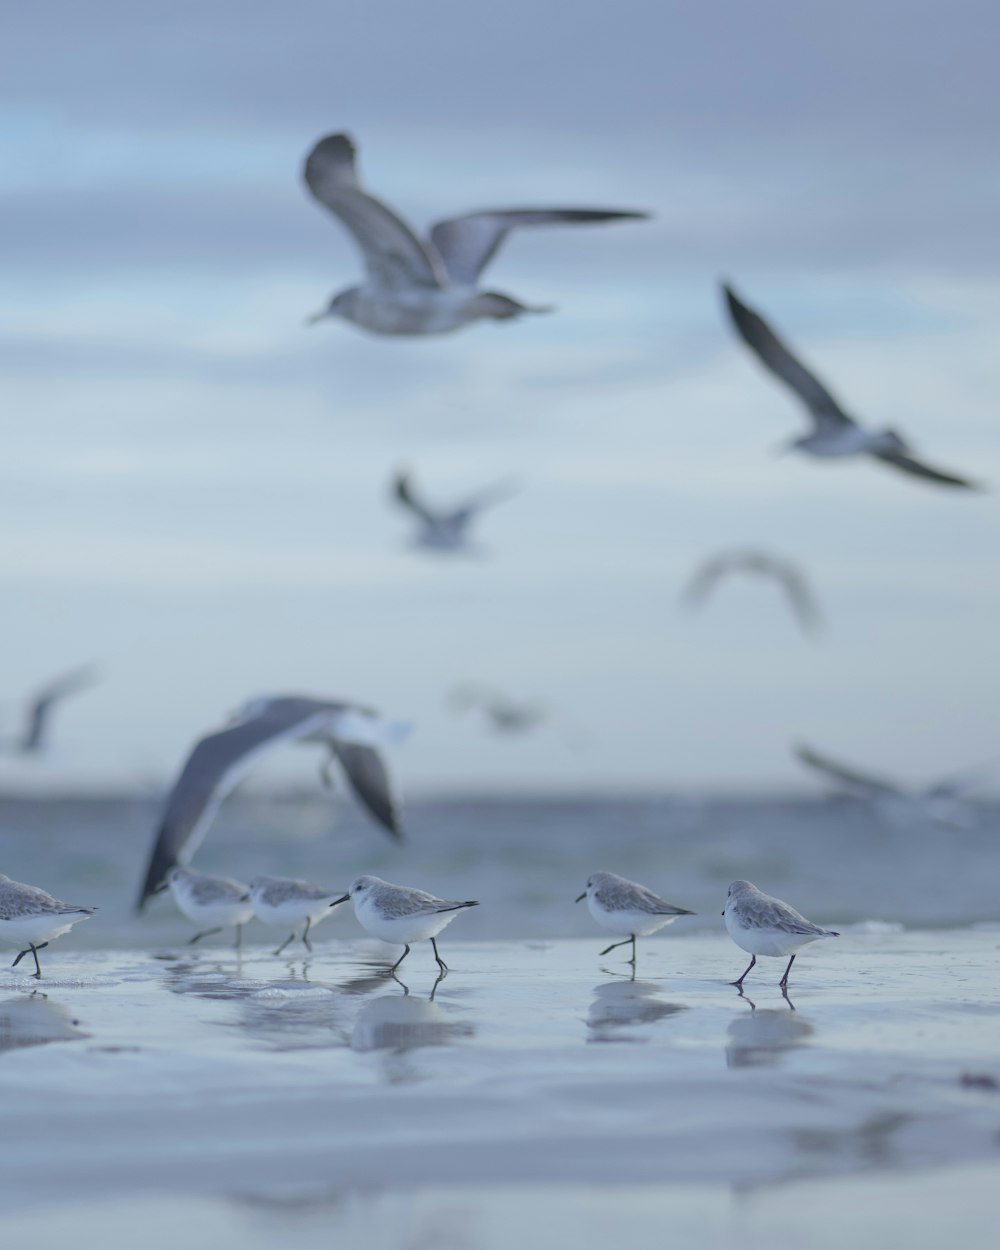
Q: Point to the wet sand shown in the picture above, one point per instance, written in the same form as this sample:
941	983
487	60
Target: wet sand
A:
183	1095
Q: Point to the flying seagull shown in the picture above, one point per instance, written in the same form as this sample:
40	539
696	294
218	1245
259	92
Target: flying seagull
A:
353	734
789	577
421	286
444	529
34	735
505	715
834	433
941	802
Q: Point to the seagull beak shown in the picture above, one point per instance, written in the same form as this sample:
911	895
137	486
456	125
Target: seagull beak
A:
581	897
164	885
311	321
342	899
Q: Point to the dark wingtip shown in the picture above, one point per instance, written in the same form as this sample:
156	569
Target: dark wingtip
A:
472	902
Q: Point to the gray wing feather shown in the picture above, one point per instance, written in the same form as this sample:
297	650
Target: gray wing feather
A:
402	490
862	783
394	257
771	913
467	244
212	770
899	460
774	355
369	779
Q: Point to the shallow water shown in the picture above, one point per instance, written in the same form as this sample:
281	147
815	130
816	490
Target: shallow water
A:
265	1098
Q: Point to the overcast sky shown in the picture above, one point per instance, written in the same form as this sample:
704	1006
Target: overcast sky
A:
193	484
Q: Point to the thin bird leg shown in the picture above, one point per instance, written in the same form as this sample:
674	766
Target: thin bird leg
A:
239	937
30	950
305	934
784	980
207	933
406	951
440	962
624	942
290	938
739	983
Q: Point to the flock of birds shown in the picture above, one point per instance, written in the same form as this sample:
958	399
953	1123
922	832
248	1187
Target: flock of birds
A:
424	286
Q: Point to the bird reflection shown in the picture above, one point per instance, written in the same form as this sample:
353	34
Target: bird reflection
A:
402	1022
34	1020
623	1004
760	1038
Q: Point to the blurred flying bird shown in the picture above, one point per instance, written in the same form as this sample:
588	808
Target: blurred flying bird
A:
759	564
353	734
941	803
38	713
834	433
444	530
505	715
421	286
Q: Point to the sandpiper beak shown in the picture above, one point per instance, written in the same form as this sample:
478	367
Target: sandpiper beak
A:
342	899
581	897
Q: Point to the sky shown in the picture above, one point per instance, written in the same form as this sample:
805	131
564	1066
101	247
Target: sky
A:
193	485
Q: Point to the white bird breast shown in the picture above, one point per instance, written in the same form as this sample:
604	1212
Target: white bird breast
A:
41	928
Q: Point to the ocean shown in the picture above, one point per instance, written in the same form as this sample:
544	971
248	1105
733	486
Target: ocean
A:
524	858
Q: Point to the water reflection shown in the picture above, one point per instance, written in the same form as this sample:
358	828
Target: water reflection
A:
34	1020
403	1022
760	1037
623	1004
283	1014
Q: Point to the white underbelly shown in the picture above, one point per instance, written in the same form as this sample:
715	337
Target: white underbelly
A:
32	930
223	912
626	923
404	929
293	912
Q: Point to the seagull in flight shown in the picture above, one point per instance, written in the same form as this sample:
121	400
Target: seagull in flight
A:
789	577
505	715
352	733
419	286
35	732
444	529
834	433
941	803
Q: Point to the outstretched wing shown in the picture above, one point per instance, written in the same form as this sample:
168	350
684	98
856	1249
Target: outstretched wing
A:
463	514
774	355
908	464
368	777
394	257
862	784
46	698
402	491
467	244
211	771
703	580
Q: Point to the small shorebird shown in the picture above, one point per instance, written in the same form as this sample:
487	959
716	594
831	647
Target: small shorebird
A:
834	433
419	286
762	925
283	901
398	913
354	735
444	529
787	575
30	915
214	901
626	907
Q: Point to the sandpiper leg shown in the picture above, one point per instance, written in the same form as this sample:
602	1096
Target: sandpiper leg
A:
406	951
290	938
207	933
37	974
239	937
305	935
753	960
784	980
625	942
440	962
